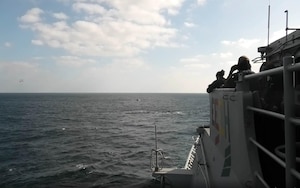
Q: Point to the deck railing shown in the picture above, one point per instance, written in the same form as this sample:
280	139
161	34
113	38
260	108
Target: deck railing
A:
192	155
290	121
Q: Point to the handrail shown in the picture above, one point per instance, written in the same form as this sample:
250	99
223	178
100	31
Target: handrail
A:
267	112
296	121
269	72
270	154
191	155
294	67
290	122
277	70
204	160
295	173
289	130
261	179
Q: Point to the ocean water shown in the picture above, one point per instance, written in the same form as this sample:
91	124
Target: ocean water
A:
94	140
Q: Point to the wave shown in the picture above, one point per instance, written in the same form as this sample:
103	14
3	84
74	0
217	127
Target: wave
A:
99	140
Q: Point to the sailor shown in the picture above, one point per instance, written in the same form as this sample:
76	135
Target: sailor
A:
243	65
218	82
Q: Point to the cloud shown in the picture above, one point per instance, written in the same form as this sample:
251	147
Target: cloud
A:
110	28
89	8
158	7
13	72
277	35
121	75
129	64
195	63
60	16
226	55
37	78
37	42
74	61
32	16
189	24
207	65
205	60
201	2
18	66
244	43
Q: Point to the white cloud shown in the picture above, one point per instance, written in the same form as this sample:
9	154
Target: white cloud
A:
122	75
206	66
89	8
32	16
123	29
74	61
129	64
201	2
226	55
37	42
207	59
195	63
277	35
14	75
60	16
244	43
189	24
18	66
226	42
168	6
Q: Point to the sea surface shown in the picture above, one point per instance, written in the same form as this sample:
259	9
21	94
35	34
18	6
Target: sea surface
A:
94	140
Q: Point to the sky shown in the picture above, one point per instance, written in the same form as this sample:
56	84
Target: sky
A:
132	46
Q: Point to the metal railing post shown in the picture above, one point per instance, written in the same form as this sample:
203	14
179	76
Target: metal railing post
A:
290	139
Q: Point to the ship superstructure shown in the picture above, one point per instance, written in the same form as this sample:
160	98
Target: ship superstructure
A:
253	139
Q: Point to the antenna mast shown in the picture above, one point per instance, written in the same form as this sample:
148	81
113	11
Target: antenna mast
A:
156	150
269	10
287	25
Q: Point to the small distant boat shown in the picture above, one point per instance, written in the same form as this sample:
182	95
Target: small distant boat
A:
253	139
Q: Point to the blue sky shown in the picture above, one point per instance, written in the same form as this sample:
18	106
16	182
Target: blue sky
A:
173	46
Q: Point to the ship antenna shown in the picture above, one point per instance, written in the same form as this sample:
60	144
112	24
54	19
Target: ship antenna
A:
269	10
156	165
286	27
